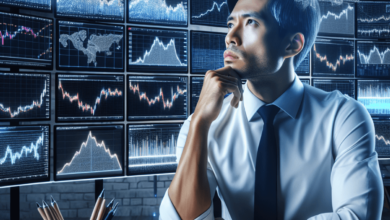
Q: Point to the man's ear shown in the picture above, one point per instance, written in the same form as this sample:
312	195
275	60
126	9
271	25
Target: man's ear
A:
295	44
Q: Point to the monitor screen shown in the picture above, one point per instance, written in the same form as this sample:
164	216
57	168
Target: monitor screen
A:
207	51
24	96
337	19
93	151
196	88
209	12
156	97
24	154
375	96
165	12
346	87
333	58
304	67
90	97
26	41
92	47
92	9
373	59
382	138
305	81
157	50
373	20
152	148
32	4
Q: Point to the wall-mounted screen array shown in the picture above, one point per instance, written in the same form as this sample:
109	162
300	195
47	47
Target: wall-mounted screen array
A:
209	12
108	10
90	97
207	51
24	154
156	97
373	20
382	138
92	47
373	59
333	58
26	41
88	151
375	96
33	4
24	96
346	87
304	67
157	50
337	19
152	148
166	12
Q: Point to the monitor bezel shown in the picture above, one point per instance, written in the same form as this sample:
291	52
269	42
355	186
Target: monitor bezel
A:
30	8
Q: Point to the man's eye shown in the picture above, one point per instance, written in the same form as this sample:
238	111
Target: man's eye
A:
230	25
251	21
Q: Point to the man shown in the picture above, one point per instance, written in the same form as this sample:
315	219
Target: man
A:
277	149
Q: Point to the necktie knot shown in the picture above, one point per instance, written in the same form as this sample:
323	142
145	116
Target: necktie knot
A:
268	113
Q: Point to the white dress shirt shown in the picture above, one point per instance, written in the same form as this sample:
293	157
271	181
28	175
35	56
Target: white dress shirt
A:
328	167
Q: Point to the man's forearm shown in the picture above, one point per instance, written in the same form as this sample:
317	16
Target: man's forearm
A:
189	190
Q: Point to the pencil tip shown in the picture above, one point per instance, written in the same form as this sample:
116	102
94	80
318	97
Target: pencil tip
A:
39	206
102	193
52	199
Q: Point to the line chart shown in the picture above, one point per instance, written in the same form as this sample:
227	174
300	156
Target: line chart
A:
337	19
382	138
373	20
209	12
374	59
25	151
33	4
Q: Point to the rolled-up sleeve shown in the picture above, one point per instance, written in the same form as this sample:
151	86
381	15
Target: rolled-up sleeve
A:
357	189
167	209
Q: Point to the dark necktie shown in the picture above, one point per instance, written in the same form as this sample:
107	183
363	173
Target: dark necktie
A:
266	163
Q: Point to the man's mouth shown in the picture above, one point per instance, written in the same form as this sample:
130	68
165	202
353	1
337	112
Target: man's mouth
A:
229	55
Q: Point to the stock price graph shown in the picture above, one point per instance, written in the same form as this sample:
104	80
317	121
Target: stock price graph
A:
209	12
157	97
110	10
207	51
333	58
167	12
33	4
382	138
373	20
25	41
87	46
373	59
88	151
152	148
337	19
304	67
375	96
157	50
90	97
24	96
196	88
24	154
346	87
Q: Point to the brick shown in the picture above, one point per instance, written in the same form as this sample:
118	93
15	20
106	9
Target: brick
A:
162	178
78	204
136	179
136	211
109	194
143	185
25	189
4	191
167	184
72	213
72	196
41	188
123	211
134	202
170	177
108	186
22	198
125	194
126	202
133	186
89	196
149	210
25	206
151	178
120	186
4	198
56	196
62	188
160	184
145	193
65	213
84	188
35	197
149	201
84	213
161	192
63	205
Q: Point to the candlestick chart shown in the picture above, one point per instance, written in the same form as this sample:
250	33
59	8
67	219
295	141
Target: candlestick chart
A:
88	151
346	87
152	148
25	40
24	154
90	97
382	138
337	19
373	20
375	96
373	59
157	97
209	12
24	96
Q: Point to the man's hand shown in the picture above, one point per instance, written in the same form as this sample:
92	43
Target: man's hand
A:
216	84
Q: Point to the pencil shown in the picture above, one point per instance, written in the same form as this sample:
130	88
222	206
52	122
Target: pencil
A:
40	210
57	208
48	213
108	208
111	213
102	210
97	206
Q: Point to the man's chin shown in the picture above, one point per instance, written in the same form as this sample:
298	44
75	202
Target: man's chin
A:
236	68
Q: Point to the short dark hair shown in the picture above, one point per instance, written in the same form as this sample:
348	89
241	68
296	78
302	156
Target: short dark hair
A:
297	16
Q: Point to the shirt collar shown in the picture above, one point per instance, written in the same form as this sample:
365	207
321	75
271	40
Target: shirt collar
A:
289	101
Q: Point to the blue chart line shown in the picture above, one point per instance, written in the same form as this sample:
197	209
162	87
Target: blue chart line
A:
25	151
373	20
374	59
209	12
147	11
212	10
375	96
382	138
340	22
35	4
375	56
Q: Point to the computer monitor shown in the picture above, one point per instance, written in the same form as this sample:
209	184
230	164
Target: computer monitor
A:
24	96
382	138
209	12
346	87
90	47
304	67
152	148
337	19
373	59
26	41
24	154
375	96
157	97
88	97
88	151
44	5
373	20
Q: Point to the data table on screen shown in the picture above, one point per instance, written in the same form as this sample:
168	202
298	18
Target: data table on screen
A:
26	41
373	59
373	20
375	96
157	97
92	47
304	67
85	97
24	154
337	19
209	12
346	87
88	151
152	148
382	138
165	12
157	50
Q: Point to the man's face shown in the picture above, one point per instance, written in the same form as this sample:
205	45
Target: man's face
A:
252	42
